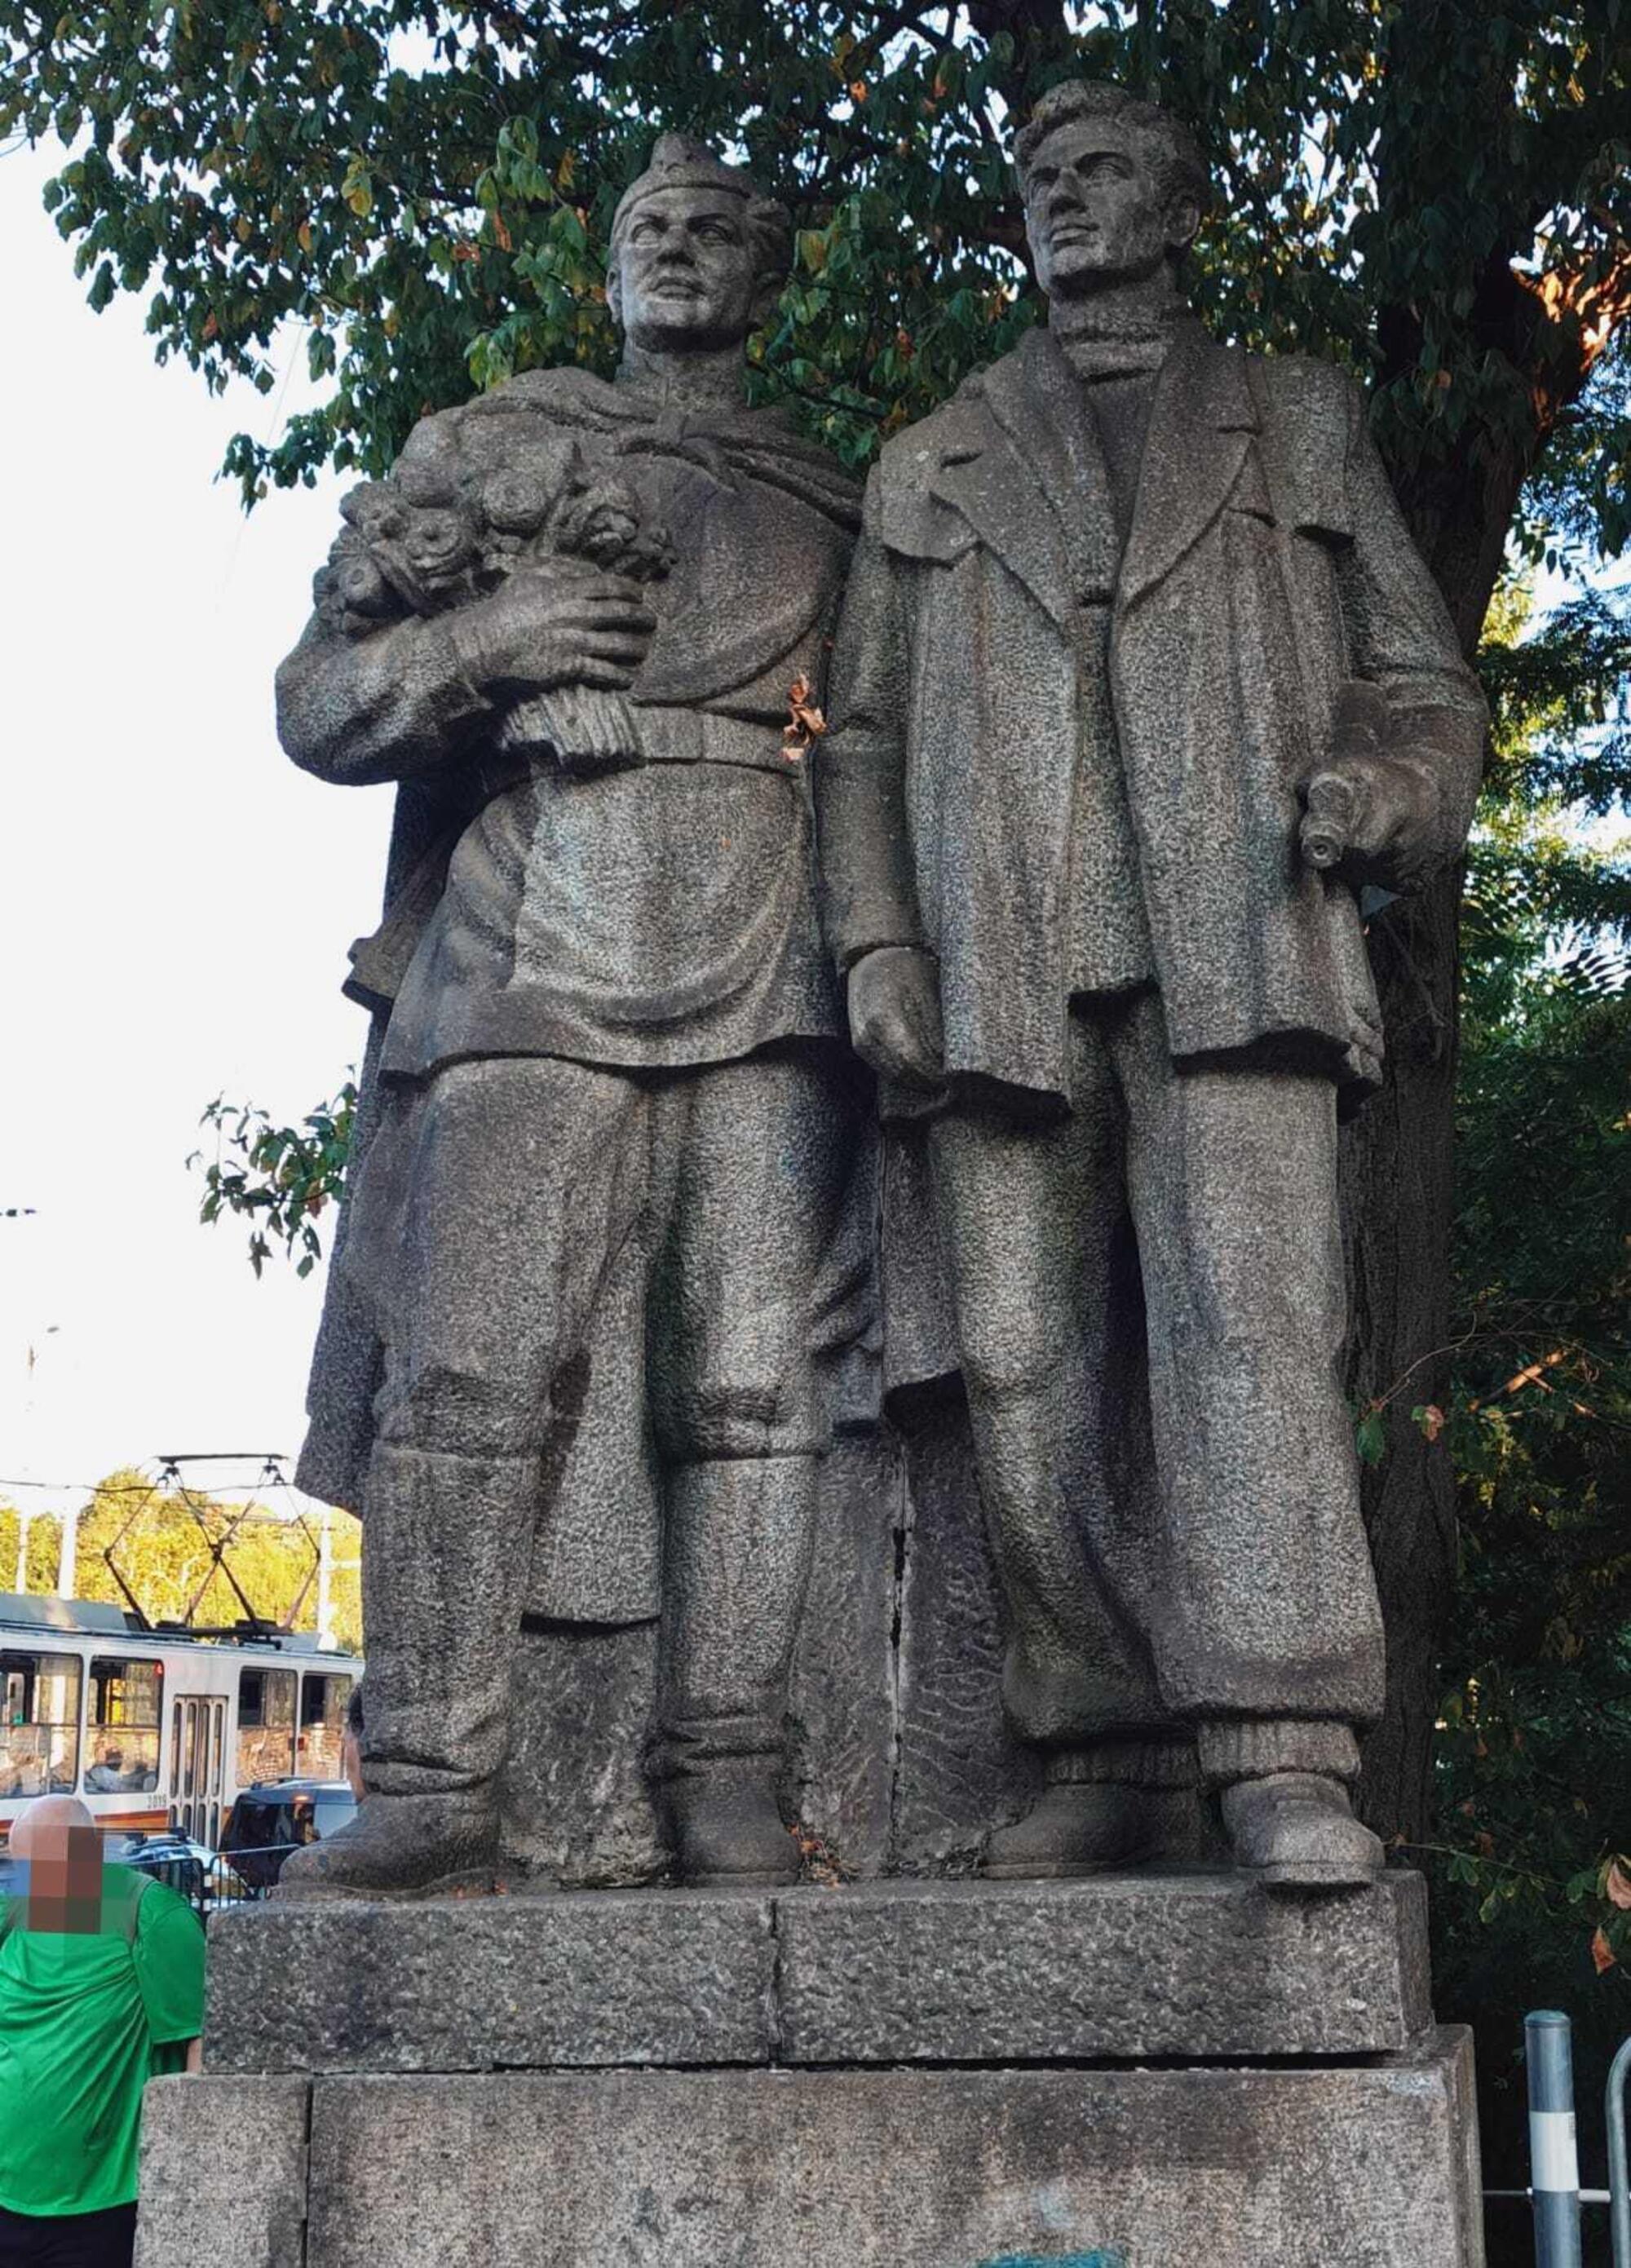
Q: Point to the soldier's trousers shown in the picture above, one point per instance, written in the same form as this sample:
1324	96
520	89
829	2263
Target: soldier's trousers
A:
491	1211
1150	1305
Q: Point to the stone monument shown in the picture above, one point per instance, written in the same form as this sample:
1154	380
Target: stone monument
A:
612	1103
1140	676
1006	1900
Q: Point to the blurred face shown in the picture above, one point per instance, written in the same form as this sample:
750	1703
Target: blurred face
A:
1095	214
65	1880
684	273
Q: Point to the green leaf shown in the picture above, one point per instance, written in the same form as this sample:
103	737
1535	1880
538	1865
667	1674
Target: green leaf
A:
1370	1438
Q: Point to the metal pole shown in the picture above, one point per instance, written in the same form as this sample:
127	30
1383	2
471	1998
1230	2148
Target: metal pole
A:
68	1555
1554	2160
324	1576
1619	2173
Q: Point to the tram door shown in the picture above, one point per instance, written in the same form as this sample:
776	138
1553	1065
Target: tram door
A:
197	1756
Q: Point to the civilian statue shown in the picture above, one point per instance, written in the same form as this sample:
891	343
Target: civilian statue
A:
1139	679
609	1129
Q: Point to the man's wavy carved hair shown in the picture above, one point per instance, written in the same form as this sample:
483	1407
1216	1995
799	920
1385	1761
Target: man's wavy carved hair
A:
1169	148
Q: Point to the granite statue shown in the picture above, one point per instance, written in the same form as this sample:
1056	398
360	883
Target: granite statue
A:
1139	680
594	1243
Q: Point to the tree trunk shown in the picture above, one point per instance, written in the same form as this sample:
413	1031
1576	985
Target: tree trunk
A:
1397	1199
1398	1187
1397	1192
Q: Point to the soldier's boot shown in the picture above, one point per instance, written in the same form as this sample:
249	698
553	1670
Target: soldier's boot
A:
446	1548
1283	1788
739	1532
1104	1805
727	1825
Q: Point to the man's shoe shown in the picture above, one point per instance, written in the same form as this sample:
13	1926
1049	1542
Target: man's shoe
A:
399	1846
727	1826
1078	1827
1296	1832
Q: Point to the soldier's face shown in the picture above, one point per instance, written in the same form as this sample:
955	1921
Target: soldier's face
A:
1095	214
686	274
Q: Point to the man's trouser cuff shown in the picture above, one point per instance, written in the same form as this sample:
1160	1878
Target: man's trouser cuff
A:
1253	1748
1132	1763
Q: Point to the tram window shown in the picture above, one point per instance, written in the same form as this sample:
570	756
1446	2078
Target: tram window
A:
127	1709
323	1698
40	1729
266	1725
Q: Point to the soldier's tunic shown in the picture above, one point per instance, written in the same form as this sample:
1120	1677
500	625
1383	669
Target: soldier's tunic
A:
615	982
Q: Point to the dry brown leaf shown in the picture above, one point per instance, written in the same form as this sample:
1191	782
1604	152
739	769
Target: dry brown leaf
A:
1602	1952
805	722
1617	1883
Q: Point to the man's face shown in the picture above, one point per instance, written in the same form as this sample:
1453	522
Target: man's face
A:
1095	214
685	274
65	1880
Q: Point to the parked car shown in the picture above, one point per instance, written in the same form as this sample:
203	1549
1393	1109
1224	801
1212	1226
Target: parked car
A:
276	1816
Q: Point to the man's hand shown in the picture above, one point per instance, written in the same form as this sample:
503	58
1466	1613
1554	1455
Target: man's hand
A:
895	1015
537	632
1373	816
1367	810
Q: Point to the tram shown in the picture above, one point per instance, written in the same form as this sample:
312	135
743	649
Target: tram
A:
156	1728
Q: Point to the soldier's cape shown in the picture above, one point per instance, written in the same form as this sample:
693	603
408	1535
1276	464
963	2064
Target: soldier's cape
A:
778	547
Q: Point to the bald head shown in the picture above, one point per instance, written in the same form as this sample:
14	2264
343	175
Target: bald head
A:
58	1841
43	1830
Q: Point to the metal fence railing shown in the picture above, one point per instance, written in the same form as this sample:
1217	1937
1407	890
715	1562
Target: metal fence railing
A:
230	1878
208	1880
1618	2170
1555	2191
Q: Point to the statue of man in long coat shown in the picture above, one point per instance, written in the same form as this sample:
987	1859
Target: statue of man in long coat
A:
1139	679
608	1134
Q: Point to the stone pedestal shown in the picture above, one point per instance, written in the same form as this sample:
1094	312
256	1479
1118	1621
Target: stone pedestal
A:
1159	2068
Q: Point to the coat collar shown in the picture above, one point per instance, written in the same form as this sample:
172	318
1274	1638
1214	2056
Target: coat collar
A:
1004	467
990	473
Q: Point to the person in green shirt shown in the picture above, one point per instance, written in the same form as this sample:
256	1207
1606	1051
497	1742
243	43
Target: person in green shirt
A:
101	1987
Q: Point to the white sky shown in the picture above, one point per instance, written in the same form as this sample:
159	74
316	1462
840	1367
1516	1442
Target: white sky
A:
176	899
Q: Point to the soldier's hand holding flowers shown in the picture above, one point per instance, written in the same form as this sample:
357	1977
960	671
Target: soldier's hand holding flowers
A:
537	566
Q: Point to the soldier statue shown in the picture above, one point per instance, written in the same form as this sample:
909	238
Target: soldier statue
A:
1139	681
607	1135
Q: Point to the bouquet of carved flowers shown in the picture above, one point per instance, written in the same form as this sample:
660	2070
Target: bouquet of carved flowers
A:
443	531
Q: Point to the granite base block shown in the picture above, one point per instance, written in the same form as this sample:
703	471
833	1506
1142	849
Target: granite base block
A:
592	1977
1312	2165
224	2173
1188	1965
